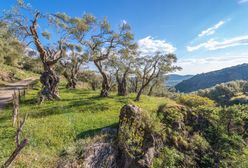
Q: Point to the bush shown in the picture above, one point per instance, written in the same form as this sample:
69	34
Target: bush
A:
192	100
169	157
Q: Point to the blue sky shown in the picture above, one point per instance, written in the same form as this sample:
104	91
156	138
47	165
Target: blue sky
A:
205	34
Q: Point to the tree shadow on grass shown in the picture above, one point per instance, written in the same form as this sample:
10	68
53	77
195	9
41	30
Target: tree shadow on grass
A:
28	101
122	99
87	105
49	112
75	106
93	132
4	118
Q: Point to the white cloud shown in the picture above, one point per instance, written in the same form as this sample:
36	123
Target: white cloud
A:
242	1
211	30
202	65
149	45
215	45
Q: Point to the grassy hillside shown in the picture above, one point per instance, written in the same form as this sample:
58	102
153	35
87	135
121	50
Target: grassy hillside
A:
18	73
53	126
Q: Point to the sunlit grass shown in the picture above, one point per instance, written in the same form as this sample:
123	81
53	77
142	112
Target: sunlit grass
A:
18	73
53	126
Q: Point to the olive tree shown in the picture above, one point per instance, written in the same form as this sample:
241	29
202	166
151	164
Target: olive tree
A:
152	67
124	63
100	41
103	45
72	63
23	20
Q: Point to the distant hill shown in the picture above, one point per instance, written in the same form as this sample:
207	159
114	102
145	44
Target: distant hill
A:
174	79
206	80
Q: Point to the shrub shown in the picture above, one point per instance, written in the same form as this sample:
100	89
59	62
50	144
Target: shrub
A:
192	100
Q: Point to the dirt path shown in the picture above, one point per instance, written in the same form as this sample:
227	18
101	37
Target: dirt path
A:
7	90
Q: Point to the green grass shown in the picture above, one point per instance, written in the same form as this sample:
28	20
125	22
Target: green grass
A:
53	126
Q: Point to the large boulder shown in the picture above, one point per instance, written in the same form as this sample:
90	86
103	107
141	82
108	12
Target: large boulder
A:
138	141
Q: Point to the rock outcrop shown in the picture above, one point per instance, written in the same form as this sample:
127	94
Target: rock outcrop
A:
134	145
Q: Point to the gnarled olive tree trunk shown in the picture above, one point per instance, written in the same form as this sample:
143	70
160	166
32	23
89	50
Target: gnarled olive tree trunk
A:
49	81
105	87
49	58
122	83
122	88
71	80
105	81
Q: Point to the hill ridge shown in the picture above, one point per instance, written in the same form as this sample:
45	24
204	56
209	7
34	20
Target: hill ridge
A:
209	79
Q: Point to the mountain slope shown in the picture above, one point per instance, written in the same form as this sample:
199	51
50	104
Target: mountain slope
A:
206	80
174	79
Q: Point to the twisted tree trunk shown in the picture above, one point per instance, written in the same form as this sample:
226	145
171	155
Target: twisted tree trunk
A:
49	81
71	81
122	88
105	82
105	87
122	83
49	58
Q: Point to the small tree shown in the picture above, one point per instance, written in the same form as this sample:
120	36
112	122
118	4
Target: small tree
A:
123	63
152	67
72	64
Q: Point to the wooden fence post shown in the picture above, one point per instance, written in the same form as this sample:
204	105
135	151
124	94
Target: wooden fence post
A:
15	108
19	144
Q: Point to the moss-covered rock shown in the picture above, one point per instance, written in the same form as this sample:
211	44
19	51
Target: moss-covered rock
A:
139	137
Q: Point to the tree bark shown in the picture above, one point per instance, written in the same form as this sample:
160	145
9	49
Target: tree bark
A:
122	88
71	81
19	145
105	82
15	114
151	88
48	79
105	88
139	94
15	153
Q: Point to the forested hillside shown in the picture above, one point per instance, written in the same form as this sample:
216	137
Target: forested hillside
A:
210	79
234	92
